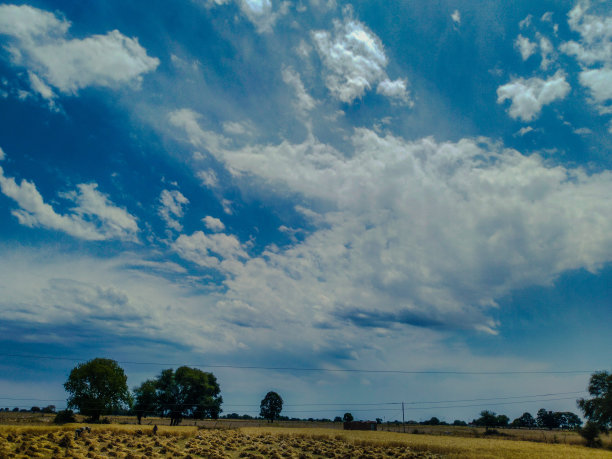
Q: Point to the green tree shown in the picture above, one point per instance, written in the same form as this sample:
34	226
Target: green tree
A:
348	417
188	392
502	420
525	420
145	399
487	419
598	409
97	387
271	406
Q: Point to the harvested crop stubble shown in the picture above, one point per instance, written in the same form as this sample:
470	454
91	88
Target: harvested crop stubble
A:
137	443
215	444
444	446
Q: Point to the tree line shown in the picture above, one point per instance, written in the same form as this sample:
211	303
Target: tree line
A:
99	387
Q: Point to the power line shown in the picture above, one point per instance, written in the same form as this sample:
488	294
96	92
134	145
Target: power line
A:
315	369
350	406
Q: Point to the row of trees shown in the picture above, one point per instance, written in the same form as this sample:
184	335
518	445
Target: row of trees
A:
544	420
34	409
99	387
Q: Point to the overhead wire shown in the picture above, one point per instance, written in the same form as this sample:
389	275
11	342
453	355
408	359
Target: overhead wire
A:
309	369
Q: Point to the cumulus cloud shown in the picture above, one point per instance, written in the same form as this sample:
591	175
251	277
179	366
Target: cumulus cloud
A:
599	82
456	17
354	60
528	96
593	51
262	13
213	224
595	44
394	90
93	217
525	47
171	208
41	44
220	251
417	233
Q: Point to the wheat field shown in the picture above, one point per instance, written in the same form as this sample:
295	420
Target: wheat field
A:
135	442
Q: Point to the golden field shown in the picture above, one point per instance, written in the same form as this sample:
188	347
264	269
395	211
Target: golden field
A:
133	441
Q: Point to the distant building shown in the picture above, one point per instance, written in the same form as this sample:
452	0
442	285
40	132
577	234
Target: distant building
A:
360	425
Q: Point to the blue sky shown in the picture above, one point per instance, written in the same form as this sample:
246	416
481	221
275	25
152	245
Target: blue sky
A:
416	186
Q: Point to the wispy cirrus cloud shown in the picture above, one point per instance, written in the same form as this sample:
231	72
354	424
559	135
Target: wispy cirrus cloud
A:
171	209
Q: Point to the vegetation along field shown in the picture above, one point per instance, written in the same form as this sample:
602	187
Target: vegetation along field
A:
133	441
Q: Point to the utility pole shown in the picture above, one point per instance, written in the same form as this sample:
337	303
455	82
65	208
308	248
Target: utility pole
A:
403	419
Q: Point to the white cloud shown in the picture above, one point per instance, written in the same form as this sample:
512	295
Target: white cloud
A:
583	131
526	22
238	128
525	47
593	49
595	45
354	59
30	24
40	87
93	218
109	296
213	224
524	130
456	17
40	44
220	251
262	13
209	178
528	96
546	52
304	102
171	208
420	233
227	206
599	82
394	90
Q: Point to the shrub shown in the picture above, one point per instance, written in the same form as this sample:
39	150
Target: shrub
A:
64	417
590	432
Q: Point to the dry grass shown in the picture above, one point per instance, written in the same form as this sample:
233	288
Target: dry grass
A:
131	442
138	442
446	446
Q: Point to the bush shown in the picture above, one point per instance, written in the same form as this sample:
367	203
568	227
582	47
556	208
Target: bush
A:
64	417
590	432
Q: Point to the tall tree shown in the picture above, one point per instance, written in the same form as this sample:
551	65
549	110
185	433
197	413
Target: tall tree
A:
487	419
186	392
97	387
271	406
145	399
598	409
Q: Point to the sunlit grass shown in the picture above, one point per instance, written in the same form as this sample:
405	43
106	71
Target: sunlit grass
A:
447	446
138	442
